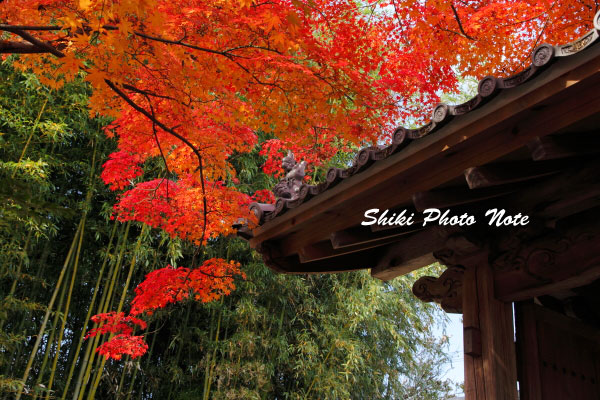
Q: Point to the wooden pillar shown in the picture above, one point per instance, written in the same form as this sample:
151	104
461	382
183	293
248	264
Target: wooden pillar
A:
490	361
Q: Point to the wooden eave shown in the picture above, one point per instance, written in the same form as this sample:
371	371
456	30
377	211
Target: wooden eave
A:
555	102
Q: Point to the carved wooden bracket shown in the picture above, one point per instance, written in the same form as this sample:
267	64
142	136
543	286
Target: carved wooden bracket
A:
558	259
458	250
445	290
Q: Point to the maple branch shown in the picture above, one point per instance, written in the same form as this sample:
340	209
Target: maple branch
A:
228	51
158	142
19	48
10	28
87	28
460	26
181	43
148	93
42	46
142	111
20	30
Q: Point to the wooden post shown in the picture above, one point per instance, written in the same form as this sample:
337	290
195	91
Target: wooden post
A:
490	361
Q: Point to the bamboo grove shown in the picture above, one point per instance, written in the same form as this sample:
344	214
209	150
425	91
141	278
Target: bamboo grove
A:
64	259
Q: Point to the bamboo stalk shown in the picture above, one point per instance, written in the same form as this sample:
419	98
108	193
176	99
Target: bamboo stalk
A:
104	309
86	205
13	287
12	366
48	346
207	368
95	384
135	371
91	344
89	313
183	336
35	124
66	312
147	361
214	356
122	380
6	260
48	311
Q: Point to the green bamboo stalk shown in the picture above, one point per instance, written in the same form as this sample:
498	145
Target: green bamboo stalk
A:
13	287
95	384
207	368
183	336
35	124
135	371
18	273
89	313
6	261
12	366
148	357
122	380
66	312
53	330
42	263
104	308
333	345
91	344
88	200
48	311
214	356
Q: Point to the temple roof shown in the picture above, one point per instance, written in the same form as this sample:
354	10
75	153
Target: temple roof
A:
516	133
488	87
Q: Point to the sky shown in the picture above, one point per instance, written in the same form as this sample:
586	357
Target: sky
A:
454	369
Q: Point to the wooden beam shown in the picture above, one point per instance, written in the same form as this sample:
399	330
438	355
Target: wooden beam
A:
412	252
346	262
364	234
324	249
474	385
580	199
569	192
459	196
386	272
510	172
563	146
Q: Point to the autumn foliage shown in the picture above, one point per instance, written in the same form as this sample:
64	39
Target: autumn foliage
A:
191	82
213	279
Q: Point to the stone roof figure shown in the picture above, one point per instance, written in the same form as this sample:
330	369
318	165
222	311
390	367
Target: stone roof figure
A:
289	186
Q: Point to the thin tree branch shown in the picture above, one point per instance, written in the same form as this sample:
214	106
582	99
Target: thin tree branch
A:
158	142
36	42
19	48
147	93
141	110
460	26
181	43
11	28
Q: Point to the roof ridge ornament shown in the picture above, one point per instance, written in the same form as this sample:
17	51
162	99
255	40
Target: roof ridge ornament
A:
289	187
